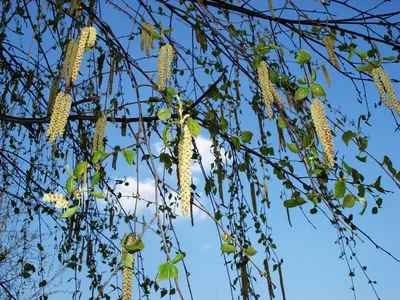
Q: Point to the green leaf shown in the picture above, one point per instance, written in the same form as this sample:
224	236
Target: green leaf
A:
364	204
129	156
303	56
347	136
363	54
178	258
167	270
166	135
246	136
313	75
98	156
69	212
293	147
363	143
301	80
294	202
349	201
339	189
97	194
250	251
70	185
390	58
137	246
164	114
80	169
228	248
96	178
236	143
317	90
67	168
301	93
128	260
281	123
194	127
366	68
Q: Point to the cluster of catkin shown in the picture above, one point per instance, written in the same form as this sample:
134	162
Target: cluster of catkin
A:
184	157
269	92
322	128
329	42
165	57
147	41
127	275
74	53
99	133
58	199
59	117
383	83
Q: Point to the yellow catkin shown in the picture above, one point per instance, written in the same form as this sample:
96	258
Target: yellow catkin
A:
271	9
381	90
64	114
322	128
329	43
268	274
184	157
170	56
83	38
59	200
52	130
53	94
99	133
147	40
71	61
263	76
161	67
389	88
326	75
127	275
269	92
67	57
91	41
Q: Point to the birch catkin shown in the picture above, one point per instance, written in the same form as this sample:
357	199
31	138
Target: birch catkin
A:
165	57
329	43
127	275
269	92
378	83
389	88
184	157
322	128
59	116
83	39
147	40
99	133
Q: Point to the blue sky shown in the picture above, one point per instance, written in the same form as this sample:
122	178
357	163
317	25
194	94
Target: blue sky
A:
312	268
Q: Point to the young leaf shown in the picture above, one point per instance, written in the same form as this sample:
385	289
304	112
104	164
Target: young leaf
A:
99	195
349	201
96	178
317	90
301	93
293	147
250	251
178	258
128	260
70	186
167	270
164	114
137	246
228	248
80	169
347	136
69	212
339	189
281	123
364	204
246	136
303	56
129	156
194	127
